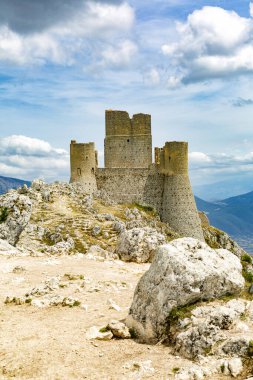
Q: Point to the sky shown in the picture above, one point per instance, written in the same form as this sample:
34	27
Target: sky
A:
187	63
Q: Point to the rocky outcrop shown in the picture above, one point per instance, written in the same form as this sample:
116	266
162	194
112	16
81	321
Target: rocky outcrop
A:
139	244
15	213
182	272
215	329
219	239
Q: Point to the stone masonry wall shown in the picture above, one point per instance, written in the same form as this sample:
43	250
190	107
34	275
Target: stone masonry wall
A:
132	185
179	207
128	151
128	142
83	165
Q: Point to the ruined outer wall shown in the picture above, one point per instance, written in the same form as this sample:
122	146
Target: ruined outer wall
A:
128	142
132	185
179	207
83	165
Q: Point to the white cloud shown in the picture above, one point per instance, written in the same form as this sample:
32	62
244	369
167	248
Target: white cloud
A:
120	54
31	158
60	43
220	161
212	43
199	157
152	77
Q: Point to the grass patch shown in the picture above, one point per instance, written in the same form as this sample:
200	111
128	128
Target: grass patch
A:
246	259
3	214
104	329
145	208
250	348
248	276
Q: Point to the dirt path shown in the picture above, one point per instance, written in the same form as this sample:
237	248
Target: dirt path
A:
50	343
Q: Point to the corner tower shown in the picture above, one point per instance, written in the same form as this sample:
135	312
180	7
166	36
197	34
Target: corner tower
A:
178	204
128	142
83	165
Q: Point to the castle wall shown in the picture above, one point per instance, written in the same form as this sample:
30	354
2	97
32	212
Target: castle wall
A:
128	142
128	151
130	177
83	165
179	207
132	185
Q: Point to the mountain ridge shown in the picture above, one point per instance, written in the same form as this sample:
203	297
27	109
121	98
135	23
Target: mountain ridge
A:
233	215
7	183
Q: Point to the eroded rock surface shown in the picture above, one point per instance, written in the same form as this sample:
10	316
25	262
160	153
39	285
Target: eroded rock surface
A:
139	244
183	272
15	212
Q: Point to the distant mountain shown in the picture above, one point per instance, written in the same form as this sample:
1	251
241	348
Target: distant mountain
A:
224	189
233	215
7	183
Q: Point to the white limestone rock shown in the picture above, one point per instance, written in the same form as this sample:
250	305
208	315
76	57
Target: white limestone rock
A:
183	272
19	209
214	330
139	244
119	329
235	366
218	238
95	333
8	250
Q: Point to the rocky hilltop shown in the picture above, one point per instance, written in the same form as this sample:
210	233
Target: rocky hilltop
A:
85	282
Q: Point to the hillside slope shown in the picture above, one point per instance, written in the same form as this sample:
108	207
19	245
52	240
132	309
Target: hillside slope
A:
7	183
233	215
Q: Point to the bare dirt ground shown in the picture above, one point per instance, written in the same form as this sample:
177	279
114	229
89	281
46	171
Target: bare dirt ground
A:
50	342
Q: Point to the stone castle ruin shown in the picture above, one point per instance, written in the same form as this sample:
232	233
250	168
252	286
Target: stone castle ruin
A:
130	176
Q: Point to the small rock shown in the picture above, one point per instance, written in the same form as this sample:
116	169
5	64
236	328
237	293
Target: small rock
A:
18	269
113	305
251	289
96	230
142	367
235	366
95	333
119	329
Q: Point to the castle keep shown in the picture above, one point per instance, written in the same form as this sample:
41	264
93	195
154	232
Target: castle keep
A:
129	176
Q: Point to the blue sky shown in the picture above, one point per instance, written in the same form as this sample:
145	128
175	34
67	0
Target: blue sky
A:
187	63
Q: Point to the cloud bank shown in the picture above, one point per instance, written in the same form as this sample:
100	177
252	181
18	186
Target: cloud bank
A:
35	33
26	157
212	43
221	163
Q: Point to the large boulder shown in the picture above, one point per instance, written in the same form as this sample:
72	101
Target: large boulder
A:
182	272
15	213
139	244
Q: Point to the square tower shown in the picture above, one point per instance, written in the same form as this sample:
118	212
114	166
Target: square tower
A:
128	142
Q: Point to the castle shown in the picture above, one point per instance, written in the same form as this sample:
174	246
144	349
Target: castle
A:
130	176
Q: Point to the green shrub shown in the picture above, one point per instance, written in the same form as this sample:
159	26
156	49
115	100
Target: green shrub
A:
250	348
3	214
246	259
248	276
